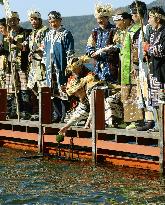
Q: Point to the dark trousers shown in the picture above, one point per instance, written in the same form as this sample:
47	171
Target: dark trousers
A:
59	109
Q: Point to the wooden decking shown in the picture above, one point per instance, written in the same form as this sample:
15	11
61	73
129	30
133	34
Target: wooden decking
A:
118	146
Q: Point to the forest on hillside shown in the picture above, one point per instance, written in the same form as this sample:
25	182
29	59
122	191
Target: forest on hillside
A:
81	26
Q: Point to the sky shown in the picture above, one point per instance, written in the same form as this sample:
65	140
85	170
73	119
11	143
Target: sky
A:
65	7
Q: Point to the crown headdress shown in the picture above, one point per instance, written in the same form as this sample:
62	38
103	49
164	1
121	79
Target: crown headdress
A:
34	13
102	10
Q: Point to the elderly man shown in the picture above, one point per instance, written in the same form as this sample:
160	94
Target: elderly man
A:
98	45
58	46
36	77
16	73
36	74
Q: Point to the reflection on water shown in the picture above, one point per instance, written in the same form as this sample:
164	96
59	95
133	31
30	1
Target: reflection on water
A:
26	180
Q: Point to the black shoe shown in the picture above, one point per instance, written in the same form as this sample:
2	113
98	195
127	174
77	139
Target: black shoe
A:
146	127
55	120
12	115
34	118
25	115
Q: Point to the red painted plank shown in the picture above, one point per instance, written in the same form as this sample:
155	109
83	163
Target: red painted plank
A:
20	135
132	148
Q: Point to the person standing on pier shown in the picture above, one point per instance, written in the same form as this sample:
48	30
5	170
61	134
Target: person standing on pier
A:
129	67
156	51
36	77
99	43
16	74
58	48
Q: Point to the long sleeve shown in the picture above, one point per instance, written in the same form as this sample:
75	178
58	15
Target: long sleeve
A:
91	43
81	113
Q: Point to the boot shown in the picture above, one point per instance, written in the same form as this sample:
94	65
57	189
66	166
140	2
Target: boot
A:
65	105
25	104
149	125
11	106
56	110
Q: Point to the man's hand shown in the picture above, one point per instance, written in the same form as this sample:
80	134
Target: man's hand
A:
146	46
63	130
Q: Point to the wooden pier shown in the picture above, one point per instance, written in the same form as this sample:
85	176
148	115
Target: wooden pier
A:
117	146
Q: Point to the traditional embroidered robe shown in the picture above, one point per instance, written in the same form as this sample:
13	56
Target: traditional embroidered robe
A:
36	73
157	70
107	62
19	58
58	48
129	61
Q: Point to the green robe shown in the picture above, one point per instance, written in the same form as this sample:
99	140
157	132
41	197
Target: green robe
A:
126	57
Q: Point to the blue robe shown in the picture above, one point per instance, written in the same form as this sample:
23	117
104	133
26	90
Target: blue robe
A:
58	48
107	62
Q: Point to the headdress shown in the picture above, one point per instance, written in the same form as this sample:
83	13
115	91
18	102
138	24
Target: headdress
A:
34	14
73	86
103	10
90	81
54	15
122	16
14	14
75	63
157	15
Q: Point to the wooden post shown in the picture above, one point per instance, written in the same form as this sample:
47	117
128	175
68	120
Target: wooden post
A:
162	138
3	104
100	111
46	105
40	132
44	114
98	119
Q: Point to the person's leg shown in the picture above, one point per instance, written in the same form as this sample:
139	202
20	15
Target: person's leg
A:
11	106
65	105
149	124
56	110
25	104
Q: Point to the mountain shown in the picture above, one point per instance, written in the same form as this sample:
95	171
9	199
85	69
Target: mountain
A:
160	3
81	26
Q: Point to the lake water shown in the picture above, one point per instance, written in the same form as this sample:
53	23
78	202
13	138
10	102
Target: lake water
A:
47	181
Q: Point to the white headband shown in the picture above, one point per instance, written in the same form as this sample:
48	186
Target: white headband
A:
117	17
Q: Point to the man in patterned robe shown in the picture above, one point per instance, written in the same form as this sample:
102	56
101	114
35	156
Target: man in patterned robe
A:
98	45
36	77
58	47
36	74
17	69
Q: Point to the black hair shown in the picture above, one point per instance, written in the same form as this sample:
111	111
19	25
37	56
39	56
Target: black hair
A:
55	14
3	22
126	15
158	10
75	59
142	8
